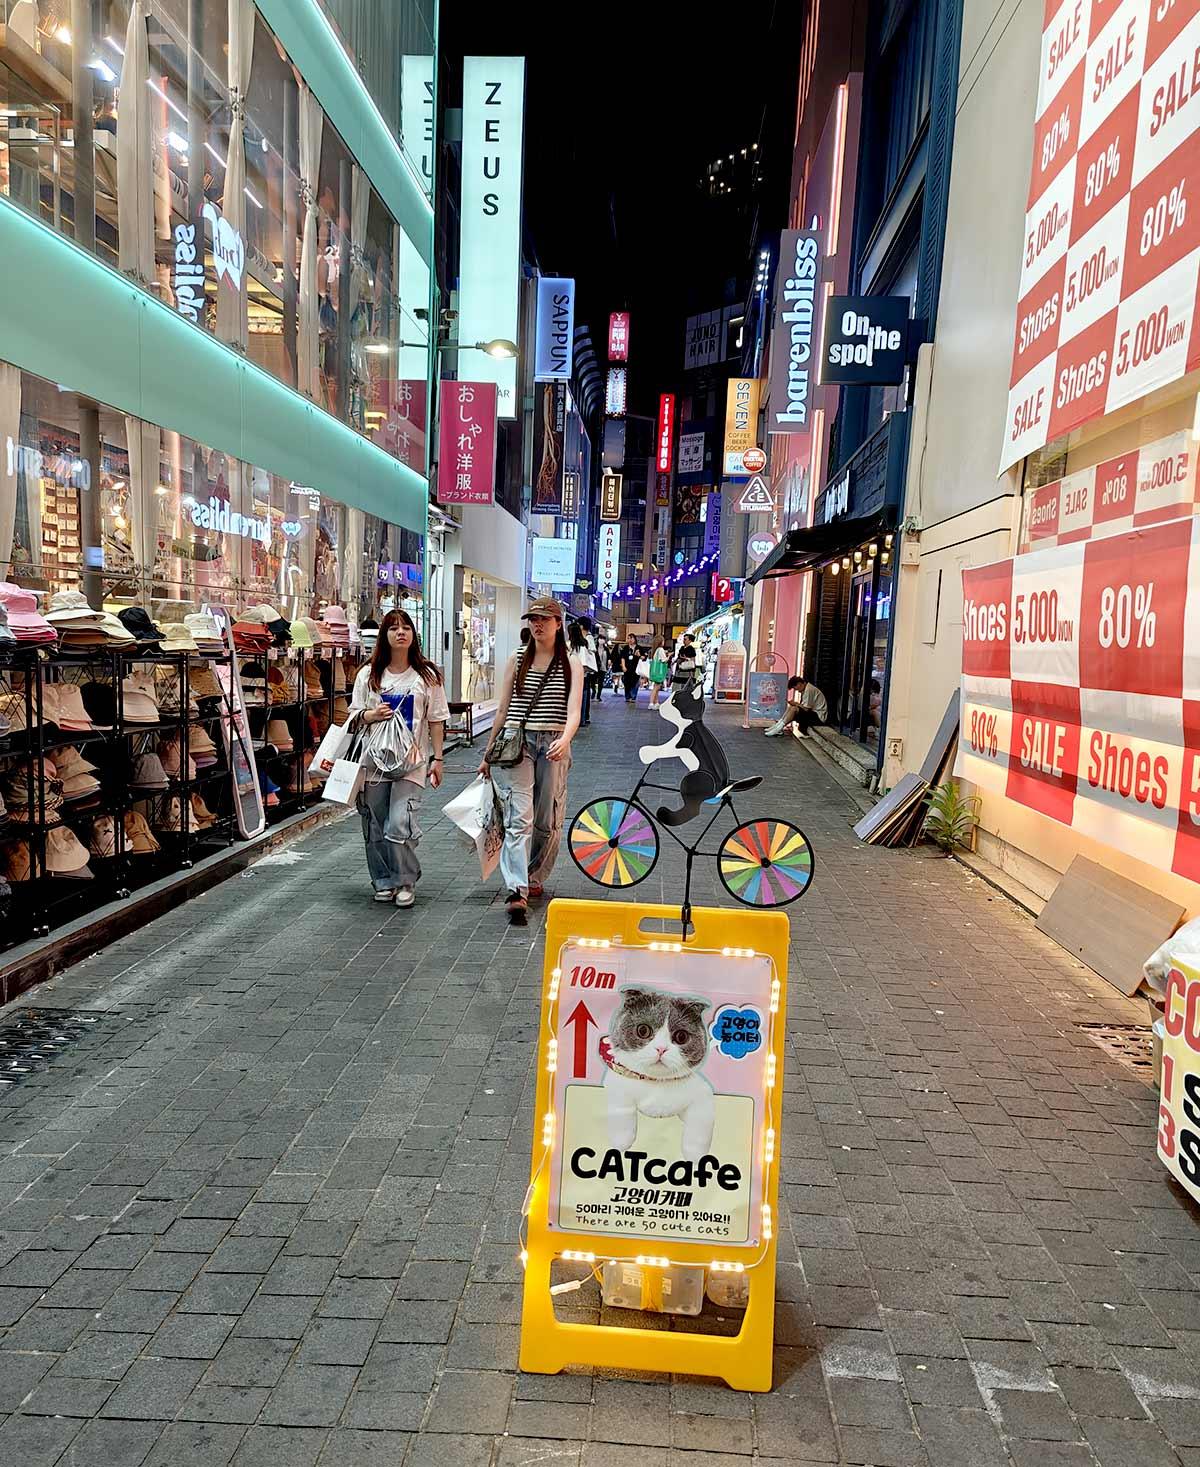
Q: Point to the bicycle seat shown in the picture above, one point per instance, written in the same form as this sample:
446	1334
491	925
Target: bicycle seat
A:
739	786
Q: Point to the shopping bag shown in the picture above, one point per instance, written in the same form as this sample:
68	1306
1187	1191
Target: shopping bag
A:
391	746
643	667
470	809
345	781
333	746
659	671
490	839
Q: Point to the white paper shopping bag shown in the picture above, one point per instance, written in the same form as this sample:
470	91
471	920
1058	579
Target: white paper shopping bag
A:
344	782
333	747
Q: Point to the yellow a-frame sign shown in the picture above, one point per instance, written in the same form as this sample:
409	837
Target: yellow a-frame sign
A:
658	1113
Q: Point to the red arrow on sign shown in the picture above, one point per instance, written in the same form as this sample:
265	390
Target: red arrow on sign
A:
581	1018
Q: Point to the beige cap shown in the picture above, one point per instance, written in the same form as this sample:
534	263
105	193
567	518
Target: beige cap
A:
545	606
177	637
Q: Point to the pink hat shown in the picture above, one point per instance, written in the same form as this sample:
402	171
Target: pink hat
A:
336	616
23	618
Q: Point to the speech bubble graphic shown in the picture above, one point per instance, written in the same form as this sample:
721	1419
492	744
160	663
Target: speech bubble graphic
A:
737	1032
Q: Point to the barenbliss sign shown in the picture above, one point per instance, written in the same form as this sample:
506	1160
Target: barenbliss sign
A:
552	356
1080	685
793	336
490	238
1110	255
866	340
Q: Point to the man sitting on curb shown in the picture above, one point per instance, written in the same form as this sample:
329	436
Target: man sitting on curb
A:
806	707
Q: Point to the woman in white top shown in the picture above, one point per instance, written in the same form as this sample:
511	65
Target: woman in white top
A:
400	686
660	672
584	649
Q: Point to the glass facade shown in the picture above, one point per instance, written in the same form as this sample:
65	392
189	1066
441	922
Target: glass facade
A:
134	514
177	142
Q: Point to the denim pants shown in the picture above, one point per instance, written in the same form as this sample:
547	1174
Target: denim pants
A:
390	810
533	795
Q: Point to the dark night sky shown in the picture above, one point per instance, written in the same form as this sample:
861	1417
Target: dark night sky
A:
623	111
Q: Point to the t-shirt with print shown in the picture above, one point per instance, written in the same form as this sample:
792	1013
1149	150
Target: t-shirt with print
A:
420	704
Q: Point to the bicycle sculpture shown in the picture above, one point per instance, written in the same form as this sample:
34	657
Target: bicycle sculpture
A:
614	841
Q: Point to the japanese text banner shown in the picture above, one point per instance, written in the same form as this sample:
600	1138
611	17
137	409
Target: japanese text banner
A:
1081	689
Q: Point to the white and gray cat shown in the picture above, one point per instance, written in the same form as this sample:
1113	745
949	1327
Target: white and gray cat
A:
658	1043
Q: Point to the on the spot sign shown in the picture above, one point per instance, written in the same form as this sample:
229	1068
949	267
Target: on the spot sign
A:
866	339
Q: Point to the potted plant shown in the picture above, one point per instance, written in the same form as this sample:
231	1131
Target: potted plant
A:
951	818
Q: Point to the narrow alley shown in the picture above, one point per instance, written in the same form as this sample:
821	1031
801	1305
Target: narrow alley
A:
266	1209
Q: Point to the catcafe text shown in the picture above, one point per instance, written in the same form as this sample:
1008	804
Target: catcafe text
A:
640	1166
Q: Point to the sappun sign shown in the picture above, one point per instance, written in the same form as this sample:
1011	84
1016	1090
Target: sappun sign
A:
1111	249
1081	689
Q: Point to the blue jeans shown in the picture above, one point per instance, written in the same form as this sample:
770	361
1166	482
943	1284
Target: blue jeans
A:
390	810
533	795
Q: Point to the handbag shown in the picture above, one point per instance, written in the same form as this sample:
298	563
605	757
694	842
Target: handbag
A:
643	667
334	744
659	671
507	749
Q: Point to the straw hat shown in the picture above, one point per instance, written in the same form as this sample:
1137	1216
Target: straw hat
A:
202	681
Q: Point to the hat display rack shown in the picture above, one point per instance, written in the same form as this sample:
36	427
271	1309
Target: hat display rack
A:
112	767
296	681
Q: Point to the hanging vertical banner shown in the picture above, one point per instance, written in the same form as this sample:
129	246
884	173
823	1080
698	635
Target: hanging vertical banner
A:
467	444
490	238
794	332
610	497
666	431
400	427
549	427
1179	1108
554	346
618	336
741	422
608	561
691	453
614	392
416	115
712	522
570	500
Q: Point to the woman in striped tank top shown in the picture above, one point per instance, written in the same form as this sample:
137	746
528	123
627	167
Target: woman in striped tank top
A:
542	690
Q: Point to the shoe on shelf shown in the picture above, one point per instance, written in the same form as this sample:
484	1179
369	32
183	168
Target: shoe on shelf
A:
384	896
405	896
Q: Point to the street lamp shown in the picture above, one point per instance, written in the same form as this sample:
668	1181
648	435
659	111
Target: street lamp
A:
501	348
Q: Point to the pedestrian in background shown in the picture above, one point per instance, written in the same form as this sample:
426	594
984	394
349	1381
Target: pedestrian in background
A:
541	696
630	657
806	708
398	683
582	649
685	668
660	671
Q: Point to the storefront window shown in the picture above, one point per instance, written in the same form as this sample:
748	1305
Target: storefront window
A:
478	629
217	183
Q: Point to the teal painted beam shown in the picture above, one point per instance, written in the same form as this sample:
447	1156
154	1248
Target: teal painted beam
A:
318	54
76	322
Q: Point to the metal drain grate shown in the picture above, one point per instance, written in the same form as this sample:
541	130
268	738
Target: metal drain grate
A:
1131	1044
34	1037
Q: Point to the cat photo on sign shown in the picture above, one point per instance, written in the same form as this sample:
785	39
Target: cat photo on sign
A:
655	1047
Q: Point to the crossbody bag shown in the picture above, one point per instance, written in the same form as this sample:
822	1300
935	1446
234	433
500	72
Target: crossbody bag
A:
507	749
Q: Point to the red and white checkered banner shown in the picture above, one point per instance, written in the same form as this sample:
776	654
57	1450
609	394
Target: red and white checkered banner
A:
1081	688
1151	484
1111	253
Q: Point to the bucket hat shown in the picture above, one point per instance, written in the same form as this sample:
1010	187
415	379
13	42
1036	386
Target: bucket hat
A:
24	620
6	634
203	627
254	677
66	855
169	816
138	836
114	631
314	629
202	681
136	620
280	735
72	715
102	836
138	702
201	814
148	773
339	675
100	700
300	634
177	637
51	704
277	683
201	748
80	786
69	761
14	860
67	607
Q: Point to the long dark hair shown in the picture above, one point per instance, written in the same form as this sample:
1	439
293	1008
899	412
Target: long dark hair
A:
561	654
382	655
576	636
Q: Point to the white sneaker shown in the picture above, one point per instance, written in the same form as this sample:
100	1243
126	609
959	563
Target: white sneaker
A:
405	897
775	730
798	732
384	896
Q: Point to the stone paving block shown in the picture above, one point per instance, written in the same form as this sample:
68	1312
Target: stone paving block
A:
272	1446
558	1421
518	1451
227	1405
65	1395
246	1362
347	1447
1098	1393
154	1390
1127	1443
337	1341
19	1374
931	1381
1036	1416
956	1438
195	1444
309	1395
872	1447
128	1443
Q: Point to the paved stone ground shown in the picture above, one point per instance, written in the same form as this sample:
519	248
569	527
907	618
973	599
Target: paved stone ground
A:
267	1212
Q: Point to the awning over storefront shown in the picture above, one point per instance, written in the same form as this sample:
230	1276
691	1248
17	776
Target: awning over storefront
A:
799	550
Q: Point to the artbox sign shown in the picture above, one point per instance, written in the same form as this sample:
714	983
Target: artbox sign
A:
553	350
618	336
608	561
490	239
1081	684
467	443
793	336
660	1092
665	432
866	339
1110	256
741	422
